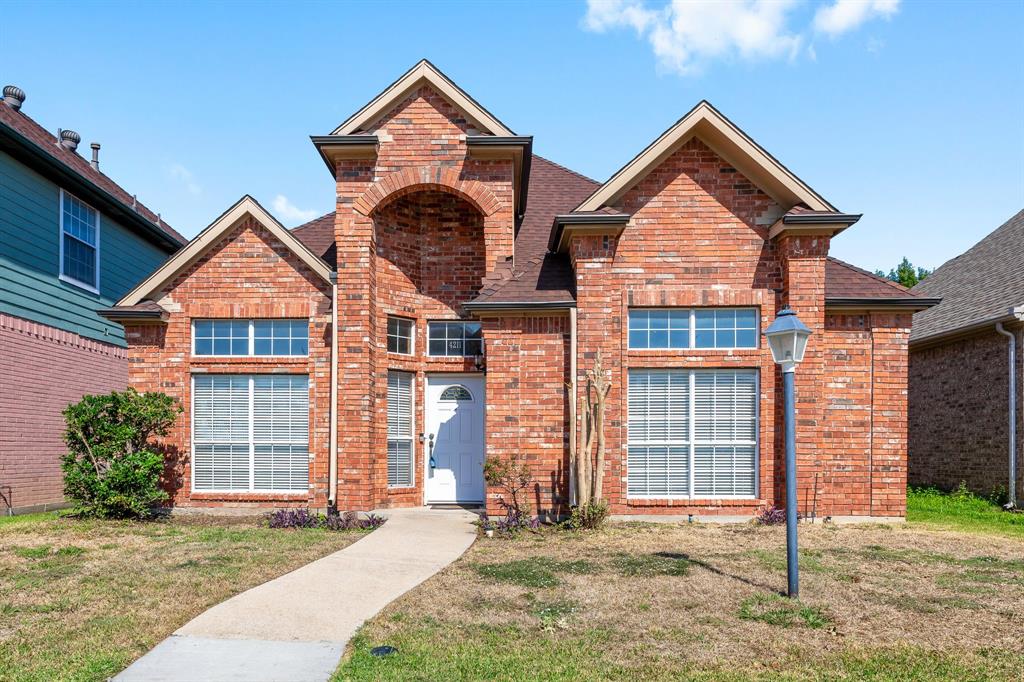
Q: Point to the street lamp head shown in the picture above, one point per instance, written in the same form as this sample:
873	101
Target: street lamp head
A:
787	338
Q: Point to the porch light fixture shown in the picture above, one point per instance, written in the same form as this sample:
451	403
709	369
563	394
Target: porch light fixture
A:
787	337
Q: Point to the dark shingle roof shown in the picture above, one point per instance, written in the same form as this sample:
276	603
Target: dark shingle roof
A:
845	281
21	124
980	285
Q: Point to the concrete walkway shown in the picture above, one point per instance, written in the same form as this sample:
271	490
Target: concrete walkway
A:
295	628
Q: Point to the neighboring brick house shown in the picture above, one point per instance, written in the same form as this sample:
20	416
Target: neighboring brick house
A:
960	372
474	283
71	242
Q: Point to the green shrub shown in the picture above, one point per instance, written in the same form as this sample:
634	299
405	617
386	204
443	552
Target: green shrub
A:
111	469
588	516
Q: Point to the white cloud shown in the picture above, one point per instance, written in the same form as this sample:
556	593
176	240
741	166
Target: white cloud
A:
185	177
289	212
685	35
843	16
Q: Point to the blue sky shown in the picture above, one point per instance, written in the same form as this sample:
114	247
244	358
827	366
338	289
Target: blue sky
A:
909	112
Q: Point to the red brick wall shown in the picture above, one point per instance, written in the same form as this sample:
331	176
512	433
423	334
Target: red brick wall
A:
959	414
422	191
247	274
527	415
699	237
42	370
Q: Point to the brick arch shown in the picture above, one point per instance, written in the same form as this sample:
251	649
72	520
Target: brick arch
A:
401	183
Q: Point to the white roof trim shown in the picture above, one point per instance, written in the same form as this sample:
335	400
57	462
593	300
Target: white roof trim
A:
727	140
424	71
246	207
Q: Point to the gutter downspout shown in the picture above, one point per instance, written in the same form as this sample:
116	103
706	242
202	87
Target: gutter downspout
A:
572	401
332	495
1012	376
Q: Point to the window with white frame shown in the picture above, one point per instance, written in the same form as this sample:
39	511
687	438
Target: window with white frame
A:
456	339
692	433
400	335
400	449
250	433
250	337
681	328
79	242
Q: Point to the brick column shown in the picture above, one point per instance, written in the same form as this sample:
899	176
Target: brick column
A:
803	289
356	247
890	334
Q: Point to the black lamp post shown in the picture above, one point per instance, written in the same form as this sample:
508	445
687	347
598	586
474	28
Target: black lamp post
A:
787	338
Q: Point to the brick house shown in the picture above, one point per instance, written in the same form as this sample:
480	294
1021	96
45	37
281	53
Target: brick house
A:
960	369
447	309
72	241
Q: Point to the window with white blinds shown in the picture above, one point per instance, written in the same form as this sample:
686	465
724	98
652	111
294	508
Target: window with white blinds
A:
250	433
692	433
400	450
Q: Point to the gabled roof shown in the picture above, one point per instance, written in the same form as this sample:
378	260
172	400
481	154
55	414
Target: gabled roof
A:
246	207
35	146
729	142
978	287
423	72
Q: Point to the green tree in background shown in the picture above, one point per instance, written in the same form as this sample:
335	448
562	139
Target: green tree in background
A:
905	273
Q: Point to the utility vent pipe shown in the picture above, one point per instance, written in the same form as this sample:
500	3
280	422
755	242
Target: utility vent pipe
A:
95	163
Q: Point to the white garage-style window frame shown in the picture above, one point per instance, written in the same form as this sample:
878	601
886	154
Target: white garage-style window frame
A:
692	434
79	243
401	391
250	338
693	328
250	433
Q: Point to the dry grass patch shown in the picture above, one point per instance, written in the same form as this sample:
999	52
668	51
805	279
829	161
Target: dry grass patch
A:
80	599
661	601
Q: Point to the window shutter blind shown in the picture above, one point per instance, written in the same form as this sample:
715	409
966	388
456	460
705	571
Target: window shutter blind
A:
400	460
250	432
723	449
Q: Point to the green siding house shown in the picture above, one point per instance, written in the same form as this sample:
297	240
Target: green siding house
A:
72	242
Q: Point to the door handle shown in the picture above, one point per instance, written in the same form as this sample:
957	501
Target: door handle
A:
433	464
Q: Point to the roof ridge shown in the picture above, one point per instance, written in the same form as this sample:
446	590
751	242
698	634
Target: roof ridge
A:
85	170
567	170
884	280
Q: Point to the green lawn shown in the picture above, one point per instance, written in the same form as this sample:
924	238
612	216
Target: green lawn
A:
81	599
962	511
935	599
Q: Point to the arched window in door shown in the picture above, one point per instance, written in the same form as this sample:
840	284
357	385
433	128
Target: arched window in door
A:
457	393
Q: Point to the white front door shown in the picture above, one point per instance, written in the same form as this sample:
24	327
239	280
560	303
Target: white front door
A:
454	421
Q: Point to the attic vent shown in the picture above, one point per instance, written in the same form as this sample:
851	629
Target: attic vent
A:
14	97
69	139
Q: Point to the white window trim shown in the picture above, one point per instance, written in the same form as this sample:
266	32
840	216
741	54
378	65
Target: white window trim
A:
692	332
252	446
691	436
412	434
412	336
464	339
252	338
95	289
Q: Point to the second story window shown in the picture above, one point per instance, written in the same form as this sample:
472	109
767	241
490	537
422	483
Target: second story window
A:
241	338
79	243
400	335
681	328
454	339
